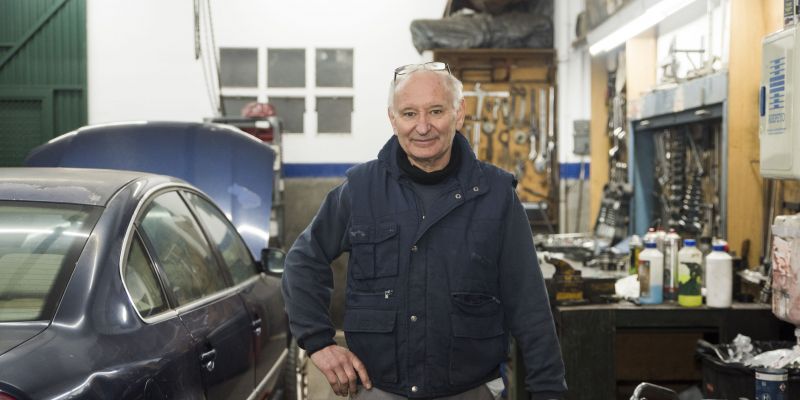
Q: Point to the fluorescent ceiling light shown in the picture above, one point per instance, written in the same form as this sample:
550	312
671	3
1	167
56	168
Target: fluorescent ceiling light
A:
651	16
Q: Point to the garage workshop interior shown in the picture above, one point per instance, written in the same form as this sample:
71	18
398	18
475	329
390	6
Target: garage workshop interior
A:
158	159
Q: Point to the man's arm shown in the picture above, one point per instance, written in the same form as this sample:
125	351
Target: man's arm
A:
527	307
307	287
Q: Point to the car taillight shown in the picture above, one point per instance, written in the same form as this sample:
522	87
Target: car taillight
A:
5	396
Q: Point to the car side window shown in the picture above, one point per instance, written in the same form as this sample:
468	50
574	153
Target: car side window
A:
234	252
141	281
180	249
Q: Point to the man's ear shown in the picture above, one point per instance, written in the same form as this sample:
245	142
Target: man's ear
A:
391	119
461	114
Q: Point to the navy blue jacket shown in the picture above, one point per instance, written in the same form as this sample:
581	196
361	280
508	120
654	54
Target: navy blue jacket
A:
431	299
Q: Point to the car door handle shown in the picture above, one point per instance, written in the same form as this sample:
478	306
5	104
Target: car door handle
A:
207	359
257	326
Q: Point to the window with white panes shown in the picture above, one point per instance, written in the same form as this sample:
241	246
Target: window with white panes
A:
311	89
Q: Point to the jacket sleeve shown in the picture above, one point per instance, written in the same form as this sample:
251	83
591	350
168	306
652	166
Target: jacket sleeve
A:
527	308
308	278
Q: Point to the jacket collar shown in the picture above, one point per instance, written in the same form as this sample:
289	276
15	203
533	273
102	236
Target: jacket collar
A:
470	175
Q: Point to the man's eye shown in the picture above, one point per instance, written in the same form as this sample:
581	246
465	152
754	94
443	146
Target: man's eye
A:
436	112
409	114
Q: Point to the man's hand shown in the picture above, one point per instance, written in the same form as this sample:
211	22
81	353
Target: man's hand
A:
340	367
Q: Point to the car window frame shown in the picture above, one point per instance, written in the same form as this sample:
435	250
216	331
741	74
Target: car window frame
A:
134	228
154	268
218	269
217	251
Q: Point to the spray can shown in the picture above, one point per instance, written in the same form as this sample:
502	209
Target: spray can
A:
636	246
660	238
771	383
672	244
719	277
651	274
690	275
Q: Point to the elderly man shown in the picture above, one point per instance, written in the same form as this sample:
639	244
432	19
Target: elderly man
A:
442	266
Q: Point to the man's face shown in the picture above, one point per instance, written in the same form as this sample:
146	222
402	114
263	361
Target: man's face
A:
424	120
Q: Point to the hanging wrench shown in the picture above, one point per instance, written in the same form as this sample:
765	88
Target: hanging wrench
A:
534	131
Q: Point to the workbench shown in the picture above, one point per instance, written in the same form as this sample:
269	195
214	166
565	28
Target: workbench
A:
609	348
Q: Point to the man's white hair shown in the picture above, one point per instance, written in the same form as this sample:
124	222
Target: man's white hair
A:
453	85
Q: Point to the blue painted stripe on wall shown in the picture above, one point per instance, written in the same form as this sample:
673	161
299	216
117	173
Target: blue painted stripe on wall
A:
573	170
315	170
566	170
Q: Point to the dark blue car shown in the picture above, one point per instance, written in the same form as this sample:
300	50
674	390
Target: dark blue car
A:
130	285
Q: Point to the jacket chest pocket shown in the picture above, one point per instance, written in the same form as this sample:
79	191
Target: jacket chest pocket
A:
374	252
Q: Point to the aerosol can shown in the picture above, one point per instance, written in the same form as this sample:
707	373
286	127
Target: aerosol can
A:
672	244
651	274
690	275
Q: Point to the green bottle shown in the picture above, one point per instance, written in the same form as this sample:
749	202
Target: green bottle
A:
690	275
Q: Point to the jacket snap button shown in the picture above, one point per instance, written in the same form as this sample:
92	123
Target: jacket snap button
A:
414	248
413	318
414	389
458	196
475	189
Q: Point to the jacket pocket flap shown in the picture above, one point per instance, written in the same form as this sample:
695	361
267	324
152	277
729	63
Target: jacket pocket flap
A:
385	231
477	327
361	234
374	321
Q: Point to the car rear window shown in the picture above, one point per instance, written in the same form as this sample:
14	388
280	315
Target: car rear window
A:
39	244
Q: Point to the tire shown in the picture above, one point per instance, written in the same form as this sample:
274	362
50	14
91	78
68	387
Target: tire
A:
295	380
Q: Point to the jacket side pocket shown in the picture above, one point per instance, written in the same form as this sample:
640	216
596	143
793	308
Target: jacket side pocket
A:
371	336
478	345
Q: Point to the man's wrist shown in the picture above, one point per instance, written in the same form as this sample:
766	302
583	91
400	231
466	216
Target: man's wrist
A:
315	343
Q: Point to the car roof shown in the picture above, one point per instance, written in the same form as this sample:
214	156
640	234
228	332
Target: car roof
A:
65	185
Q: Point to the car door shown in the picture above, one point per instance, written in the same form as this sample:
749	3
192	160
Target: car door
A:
206	303
260	293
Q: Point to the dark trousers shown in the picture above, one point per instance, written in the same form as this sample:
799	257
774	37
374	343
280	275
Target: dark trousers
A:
479	393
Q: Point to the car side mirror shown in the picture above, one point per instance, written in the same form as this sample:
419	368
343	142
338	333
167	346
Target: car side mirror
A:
272	260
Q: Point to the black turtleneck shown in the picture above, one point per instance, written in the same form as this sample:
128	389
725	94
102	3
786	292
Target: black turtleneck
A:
419	176
429	186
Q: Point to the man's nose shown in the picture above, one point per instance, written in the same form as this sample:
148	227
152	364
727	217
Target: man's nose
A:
423	125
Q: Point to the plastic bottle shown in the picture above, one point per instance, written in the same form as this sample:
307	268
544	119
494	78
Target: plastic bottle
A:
651	274
672	244
690	275
719	278
635	248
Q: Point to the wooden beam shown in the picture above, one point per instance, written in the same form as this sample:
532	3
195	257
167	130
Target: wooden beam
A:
750	22
598	136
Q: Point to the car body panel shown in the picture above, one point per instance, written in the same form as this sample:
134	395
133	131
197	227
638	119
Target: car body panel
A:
230	166
97	346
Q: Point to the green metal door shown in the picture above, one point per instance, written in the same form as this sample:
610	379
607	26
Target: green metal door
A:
42	73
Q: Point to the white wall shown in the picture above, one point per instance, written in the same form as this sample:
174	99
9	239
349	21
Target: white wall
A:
573	77
689	28
142	66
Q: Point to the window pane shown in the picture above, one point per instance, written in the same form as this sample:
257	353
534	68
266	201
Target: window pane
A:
39	244
290	110
142	283
238	67
335	67
234	252
334	114
181	249
235	104
286	68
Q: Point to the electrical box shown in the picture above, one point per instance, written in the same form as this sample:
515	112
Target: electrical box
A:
779	136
